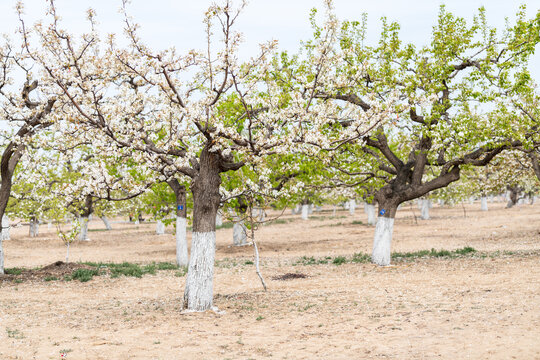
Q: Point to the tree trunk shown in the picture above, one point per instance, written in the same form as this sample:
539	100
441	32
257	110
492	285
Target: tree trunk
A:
382	239
305	212
179	190
370	211
512	196
424	209
106	221
83	236
34	227
352	206
484	203
219	219
1	255
160	227
182	258
5	228
239	232
206	201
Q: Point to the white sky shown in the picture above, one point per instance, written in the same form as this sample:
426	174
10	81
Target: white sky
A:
166	23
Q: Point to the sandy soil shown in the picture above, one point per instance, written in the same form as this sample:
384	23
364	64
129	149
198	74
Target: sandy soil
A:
474	307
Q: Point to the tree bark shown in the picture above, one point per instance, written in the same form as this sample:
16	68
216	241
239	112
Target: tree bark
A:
106	221
382	239
239	232
305	212
352	207
424	209
206	201
160	227
5	228
370	211
484	203
179	190
83	236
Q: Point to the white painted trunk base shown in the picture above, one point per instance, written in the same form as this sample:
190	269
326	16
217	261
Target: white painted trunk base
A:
370	211
34	229
181	242
305	212
5	228
160	227
310	209
1	256
239	233
106	222
198	295
219	219
424	209
382	241
84	230
352	206
484	203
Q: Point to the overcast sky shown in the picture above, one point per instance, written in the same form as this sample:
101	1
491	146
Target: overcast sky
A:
166	23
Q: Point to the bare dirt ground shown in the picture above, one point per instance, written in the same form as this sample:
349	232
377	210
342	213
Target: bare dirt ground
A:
483	306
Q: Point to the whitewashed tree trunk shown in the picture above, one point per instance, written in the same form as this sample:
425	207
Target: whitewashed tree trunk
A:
84	229
219	219
491	198
484	203
239	233
5	228
262	215
346	205
305	212
352	206
334	212
199	282
310	209
424	213
370	211
49	225
181	242
471	200
34	228
382	241
1	256
107	223
137	222
160	227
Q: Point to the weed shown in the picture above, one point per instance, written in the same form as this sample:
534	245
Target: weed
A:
50	278
357	222
259	318
13	271
181	273
248	262
166	266
339	260
84	275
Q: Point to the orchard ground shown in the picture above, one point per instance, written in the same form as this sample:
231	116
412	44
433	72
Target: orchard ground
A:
478	305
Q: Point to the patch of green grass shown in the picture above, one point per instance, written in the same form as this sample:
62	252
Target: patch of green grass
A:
182	272
96	230
357	222
248	262
166	266
365	258
129	269
84	275
339	260
361	258
13	271
50	278
259	318
466	250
